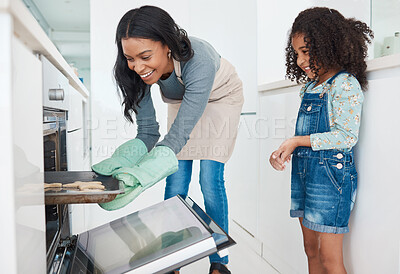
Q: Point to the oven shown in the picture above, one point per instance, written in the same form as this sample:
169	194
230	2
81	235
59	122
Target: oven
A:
55	159
55	118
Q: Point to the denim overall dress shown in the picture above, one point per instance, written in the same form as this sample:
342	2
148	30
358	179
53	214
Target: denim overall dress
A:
324	182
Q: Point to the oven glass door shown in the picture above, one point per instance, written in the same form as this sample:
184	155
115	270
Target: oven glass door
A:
157	239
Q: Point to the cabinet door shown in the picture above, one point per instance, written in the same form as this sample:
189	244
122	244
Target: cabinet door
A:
280	234
75	150
27	131
53	79
242	176
75	112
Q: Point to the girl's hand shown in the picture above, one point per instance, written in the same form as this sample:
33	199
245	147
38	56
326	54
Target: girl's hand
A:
282	155
276	162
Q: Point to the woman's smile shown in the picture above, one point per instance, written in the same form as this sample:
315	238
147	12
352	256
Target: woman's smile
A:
146	76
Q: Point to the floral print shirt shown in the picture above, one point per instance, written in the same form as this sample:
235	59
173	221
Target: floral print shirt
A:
345	100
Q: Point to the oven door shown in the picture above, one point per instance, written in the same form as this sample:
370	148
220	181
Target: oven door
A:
157	239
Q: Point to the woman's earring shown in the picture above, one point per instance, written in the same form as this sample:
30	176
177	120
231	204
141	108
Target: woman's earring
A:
169	54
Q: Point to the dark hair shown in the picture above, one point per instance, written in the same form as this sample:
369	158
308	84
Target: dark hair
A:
146	22
333	41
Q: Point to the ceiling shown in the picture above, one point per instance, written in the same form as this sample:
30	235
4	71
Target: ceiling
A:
67	23
65	15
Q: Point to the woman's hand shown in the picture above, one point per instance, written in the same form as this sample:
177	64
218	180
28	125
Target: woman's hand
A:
282	155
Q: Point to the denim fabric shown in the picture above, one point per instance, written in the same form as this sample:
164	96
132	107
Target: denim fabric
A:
212	185
324	182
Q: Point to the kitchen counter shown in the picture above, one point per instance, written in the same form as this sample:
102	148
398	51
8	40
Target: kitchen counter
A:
381	63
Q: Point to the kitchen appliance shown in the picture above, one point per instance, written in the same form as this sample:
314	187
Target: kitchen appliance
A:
157	239
55	116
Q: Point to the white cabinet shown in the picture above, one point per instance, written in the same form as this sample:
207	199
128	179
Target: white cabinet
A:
27	133
241	176
55	86
377	208
280	234
75	131
77	152
75	113
21	119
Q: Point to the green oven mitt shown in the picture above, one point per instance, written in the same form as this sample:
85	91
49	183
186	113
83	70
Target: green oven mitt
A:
126	155
159	163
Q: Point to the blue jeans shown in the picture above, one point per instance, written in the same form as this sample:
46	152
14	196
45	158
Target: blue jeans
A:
212	185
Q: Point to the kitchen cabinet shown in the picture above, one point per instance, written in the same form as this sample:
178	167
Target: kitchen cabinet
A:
242	176
280	234
77	145
378	185
24	232
21	120
75	115
55	87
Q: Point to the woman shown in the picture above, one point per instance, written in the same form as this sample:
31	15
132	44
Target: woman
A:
204	96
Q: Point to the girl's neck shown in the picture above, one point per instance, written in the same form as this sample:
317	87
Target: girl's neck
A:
326	74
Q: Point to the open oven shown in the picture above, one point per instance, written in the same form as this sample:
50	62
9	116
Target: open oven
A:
55	117
55	159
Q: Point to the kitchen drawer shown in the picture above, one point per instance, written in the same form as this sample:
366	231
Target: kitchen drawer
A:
55	86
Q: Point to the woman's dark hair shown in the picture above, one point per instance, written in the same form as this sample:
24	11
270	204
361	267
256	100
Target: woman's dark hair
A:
333	41
146	22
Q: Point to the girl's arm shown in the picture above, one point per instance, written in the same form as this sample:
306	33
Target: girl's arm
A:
346	102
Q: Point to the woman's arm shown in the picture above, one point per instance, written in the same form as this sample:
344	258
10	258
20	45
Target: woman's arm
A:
147	125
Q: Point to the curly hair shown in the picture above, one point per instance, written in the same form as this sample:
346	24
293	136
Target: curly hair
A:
333	41
146	22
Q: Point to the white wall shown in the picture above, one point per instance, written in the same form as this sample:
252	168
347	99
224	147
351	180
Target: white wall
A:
373	244
385	22
275	18
233	34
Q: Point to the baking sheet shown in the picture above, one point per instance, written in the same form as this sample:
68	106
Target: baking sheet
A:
113	187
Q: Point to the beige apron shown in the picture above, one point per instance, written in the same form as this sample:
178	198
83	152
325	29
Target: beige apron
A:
214	136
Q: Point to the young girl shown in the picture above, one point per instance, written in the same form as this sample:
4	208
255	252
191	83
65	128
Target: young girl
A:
327	51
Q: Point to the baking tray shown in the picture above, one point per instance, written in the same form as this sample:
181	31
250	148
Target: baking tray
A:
113	187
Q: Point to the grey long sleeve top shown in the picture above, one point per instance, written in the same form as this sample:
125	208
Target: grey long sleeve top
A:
198	77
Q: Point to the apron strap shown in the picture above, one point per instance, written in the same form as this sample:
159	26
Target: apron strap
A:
177	68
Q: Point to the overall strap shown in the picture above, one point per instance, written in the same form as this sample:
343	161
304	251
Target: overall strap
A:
334	76
329	83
